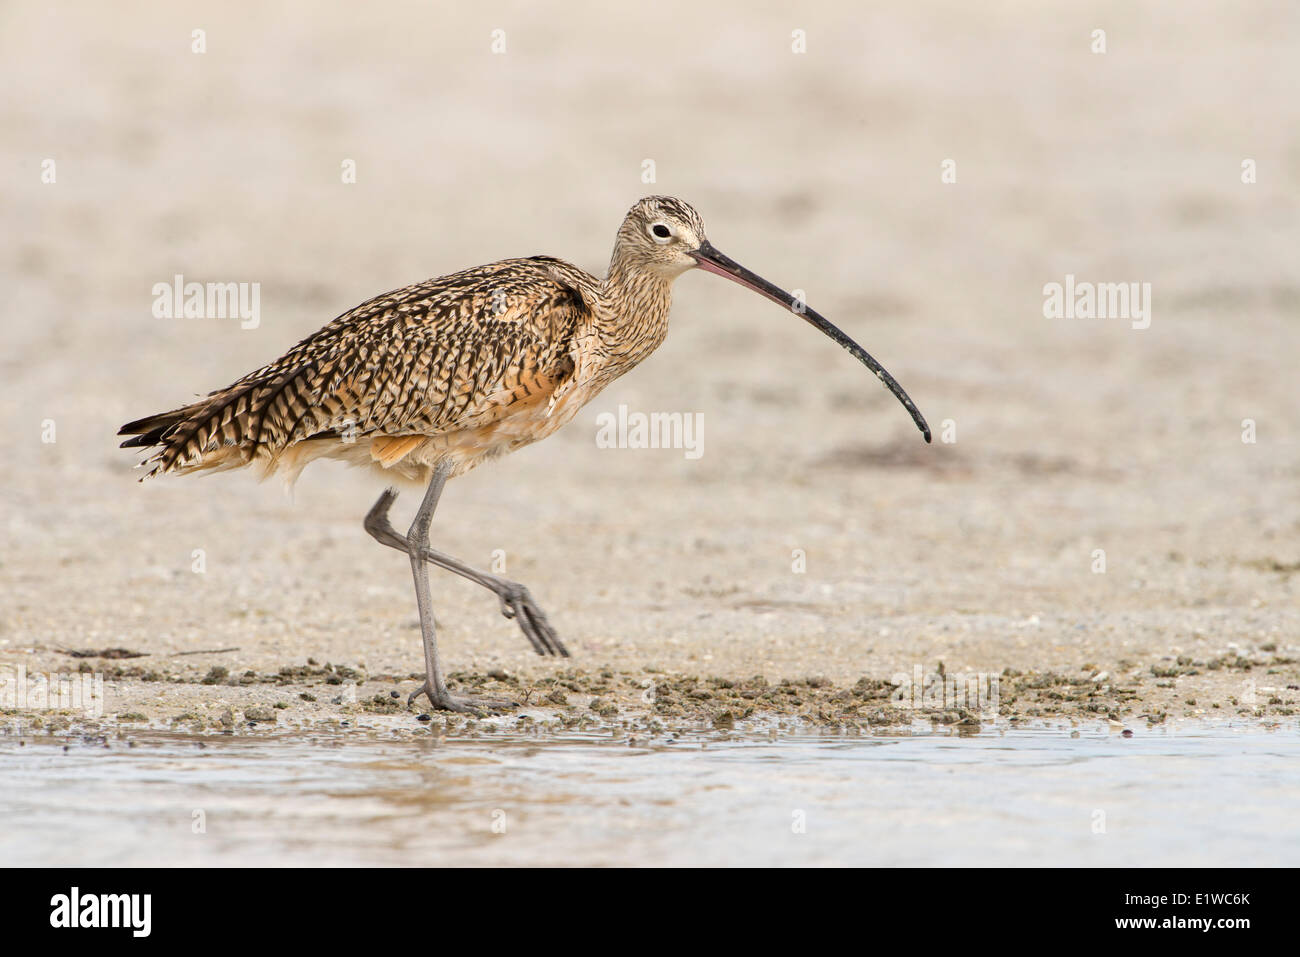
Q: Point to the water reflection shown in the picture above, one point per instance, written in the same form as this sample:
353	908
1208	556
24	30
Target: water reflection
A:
1190	795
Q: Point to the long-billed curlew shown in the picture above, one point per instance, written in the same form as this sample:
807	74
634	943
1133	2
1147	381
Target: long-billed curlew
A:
424	383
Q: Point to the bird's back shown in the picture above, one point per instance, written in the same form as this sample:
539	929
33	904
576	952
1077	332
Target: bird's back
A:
434	359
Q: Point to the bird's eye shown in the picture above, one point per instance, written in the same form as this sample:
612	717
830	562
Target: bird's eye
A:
661	233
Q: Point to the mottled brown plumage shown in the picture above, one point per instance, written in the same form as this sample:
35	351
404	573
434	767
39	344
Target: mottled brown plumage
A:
457	369
425	382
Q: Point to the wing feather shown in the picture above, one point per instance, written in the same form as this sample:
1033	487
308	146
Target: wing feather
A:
410	363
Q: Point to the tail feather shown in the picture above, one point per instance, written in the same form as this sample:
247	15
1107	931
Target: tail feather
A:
152	428
226	429
143	441
181	438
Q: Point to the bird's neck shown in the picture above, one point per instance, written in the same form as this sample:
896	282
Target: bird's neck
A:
634	320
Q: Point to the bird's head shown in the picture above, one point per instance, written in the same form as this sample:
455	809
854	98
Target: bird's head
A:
661	234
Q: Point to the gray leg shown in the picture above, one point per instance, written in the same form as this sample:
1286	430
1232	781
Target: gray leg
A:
516	602
416	543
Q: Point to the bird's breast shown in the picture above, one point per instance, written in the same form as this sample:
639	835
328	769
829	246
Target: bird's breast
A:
507	421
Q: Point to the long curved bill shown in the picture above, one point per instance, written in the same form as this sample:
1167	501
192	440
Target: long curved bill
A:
710	260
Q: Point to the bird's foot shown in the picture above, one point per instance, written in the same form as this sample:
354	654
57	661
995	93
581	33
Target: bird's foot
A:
517	603
461	704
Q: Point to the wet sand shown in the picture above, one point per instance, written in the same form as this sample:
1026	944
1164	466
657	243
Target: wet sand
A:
676	581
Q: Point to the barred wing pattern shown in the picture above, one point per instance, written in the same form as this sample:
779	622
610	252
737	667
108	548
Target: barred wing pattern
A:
437	356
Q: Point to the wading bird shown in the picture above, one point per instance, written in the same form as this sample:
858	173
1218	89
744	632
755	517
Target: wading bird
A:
424	383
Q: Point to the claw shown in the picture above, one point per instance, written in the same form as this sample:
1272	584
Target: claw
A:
517	603
461	704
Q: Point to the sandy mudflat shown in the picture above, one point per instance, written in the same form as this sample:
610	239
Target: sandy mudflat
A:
664	573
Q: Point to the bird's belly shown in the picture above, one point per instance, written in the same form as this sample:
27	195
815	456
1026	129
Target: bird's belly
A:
501	429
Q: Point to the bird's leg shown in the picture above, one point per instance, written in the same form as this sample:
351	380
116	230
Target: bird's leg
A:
416	541
516	602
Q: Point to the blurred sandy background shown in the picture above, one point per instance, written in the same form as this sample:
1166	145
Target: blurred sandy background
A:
820	171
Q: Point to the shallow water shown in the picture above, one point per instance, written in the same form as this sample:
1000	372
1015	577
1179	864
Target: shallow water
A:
1166	796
